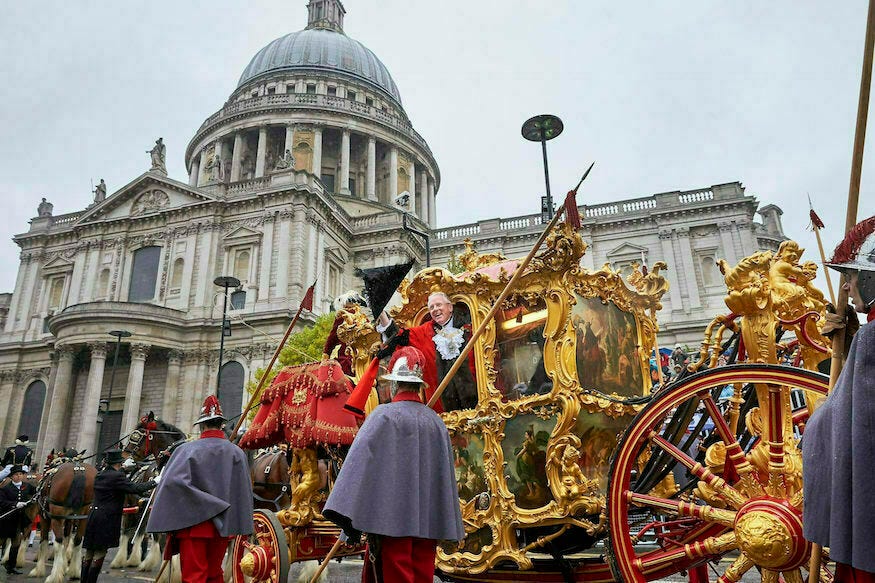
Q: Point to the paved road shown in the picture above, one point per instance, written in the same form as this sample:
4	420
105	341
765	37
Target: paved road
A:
347	571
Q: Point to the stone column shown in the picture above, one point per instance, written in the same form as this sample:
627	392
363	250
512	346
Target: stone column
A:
423	196
674	288
748	239
237	156
317	151
261	152
411	171
169	402
296	267
344	162
432	210
393	175
689	263
47	404
727	243
7	421
371	189
266	253
88	431
202	164
58	411
16	294
290	138
131	414
194	171
282	268
187	390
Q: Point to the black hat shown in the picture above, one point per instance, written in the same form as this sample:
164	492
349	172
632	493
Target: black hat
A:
22	439
114	456
16	468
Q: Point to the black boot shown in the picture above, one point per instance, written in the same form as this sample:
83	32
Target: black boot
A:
94	571
86	565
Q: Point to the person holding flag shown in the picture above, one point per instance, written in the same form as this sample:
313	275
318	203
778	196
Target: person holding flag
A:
398	484
839	444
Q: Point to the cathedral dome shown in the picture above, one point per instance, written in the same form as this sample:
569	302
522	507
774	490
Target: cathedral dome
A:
321	49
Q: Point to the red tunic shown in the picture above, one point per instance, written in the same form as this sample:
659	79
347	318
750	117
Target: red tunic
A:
422	337
201	547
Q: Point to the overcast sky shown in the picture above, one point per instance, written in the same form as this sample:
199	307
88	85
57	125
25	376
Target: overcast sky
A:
662	95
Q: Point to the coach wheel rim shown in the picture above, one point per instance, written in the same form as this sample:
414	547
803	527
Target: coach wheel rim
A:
262	556
748	518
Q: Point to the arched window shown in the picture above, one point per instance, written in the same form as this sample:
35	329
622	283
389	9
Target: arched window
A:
709	271
241	265
103	285
144	274
176	276
231	390
56	290
32	410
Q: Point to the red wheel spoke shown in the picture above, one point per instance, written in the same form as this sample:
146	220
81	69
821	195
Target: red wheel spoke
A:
680	508
723	489
736	570
775	441
713	545
734	453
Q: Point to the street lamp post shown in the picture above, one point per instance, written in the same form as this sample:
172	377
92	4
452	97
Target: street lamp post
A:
542	128
224	281
118	335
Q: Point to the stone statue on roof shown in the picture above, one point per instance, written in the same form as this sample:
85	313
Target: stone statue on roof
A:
100	191
45	208
159	157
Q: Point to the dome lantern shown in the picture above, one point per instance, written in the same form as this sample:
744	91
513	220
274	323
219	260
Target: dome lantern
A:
327	14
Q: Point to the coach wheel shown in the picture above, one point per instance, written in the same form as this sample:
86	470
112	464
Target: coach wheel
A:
729	500
262	556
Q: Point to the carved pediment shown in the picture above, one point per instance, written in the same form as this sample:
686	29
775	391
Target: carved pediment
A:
241	236
627	250
57	265
147	194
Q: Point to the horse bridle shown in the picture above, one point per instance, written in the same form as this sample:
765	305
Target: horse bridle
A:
136	438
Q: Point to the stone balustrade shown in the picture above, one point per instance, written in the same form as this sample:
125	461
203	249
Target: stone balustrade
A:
630	208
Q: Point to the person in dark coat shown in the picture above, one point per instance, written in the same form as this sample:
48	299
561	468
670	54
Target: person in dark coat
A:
18	455
105	519
204	498
398	484
14	498
839	443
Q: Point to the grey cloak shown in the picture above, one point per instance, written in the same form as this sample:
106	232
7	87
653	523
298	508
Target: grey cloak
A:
206	479
398	478
838	461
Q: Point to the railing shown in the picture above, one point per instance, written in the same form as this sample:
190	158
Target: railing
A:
66	219
248	185
696	196
631	207
329	102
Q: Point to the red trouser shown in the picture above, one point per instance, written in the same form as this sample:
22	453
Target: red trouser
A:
402	560
201	550
848	574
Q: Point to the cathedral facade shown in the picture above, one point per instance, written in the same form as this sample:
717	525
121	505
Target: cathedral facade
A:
310	169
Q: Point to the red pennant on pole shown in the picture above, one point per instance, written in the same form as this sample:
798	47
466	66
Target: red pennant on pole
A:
572	216
815	220
307	302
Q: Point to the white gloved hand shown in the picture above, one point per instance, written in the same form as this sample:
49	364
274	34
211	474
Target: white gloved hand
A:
20	504
129	463
156	479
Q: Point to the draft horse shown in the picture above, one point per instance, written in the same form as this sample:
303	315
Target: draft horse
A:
147	441
64	497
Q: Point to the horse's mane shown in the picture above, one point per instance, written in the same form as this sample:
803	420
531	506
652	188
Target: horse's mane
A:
169	427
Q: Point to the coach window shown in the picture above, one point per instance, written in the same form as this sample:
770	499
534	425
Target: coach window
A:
32	409
144	274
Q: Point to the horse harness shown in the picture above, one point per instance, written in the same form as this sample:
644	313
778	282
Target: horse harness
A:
285	486
44	501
